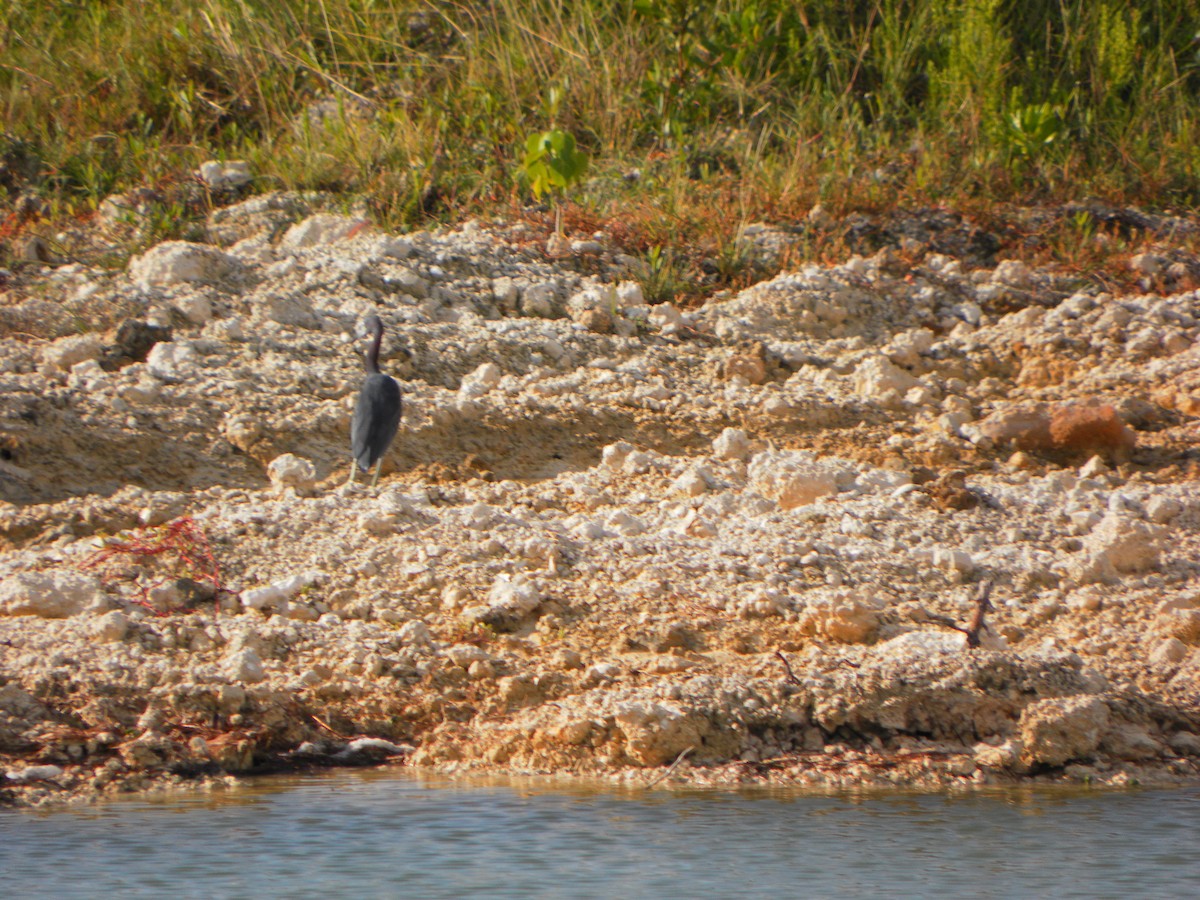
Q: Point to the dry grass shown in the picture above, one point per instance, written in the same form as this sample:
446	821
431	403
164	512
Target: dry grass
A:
731	113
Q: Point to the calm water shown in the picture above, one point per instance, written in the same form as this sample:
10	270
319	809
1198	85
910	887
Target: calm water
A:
385	835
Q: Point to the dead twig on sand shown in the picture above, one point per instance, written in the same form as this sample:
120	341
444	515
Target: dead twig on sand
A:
671	768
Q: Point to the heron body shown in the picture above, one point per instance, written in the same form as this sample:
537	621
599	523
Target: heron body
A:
377	412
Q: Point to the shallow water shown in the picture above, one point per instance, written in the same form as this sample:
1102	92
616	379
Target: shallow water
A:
388	835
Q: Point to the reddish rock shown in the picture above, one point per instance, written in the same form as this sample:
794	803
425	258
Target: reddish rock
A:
1088	429
1077	429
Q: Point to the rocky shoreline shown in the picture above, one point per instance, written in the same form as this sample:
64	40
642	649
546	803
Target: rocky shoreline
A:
747	542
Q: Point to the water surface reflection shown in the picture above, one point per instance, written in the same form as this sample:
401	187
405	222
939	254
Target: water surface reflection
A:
383	835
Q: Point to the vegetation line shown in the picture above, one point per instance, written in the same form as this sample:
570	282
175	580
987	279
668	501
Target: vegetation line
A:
695	119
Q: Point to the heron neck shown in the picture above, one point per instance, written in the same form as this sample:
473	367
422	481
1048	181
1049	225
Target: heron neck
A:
373	353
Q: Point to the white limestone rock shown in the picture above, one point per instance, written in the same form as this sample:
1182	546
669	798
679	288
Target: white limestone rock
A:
1125	740
415	632
509	601
50	594
953	560
242	430
171	361
1121	543
245	666
879	379
593	298
791	478
761	604
1058	730
33	774
293	310
276	595
507	294
181	262
518	593
479	381
539	300
1013	272
656	733
922	643
196	308
401	280
732	443
907	348
639	462
1005	756
624	523
694	482
291	471
613	456
390	246
849	617
110	627
1169	652
320	229
66	352
1162	510
225	176
1180	624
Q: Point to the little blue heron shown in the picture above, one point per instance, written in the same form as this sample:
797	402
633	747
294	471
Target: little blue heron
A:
377	413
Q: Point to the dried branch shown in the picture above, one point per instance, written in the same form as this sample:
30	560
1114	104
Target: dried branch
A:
671	768
983	605
976	625
791	676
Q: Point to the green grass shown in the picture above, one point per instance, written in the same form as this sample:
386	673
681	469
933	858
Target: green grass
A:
732	112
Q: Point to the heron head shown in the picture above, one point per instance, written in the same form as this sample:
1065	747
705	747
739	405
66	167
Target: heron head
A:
370	326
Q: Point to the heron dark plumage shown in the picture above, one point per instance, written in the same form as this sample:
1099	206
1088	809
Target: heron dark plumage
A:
377	413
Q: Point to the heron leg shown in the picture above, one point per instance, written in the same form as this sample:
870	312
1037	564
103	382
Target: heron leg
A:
353	471
375	477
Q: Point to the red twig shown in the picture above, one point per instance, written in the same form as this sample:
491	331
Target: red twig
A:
181	537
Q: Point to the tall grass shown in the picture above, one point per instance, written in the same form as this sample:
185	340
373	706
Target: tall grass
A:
762	105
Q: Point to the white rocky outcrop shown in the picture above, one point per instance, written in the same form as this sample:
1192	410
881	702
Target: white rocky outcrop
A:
181	262
291	471
320	229
245	666
1057	730
879	379
171	360
848	617
225	176
66	352
50	594
792	478
1126	543
732	443
275	596
479	381
509	600
657	733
